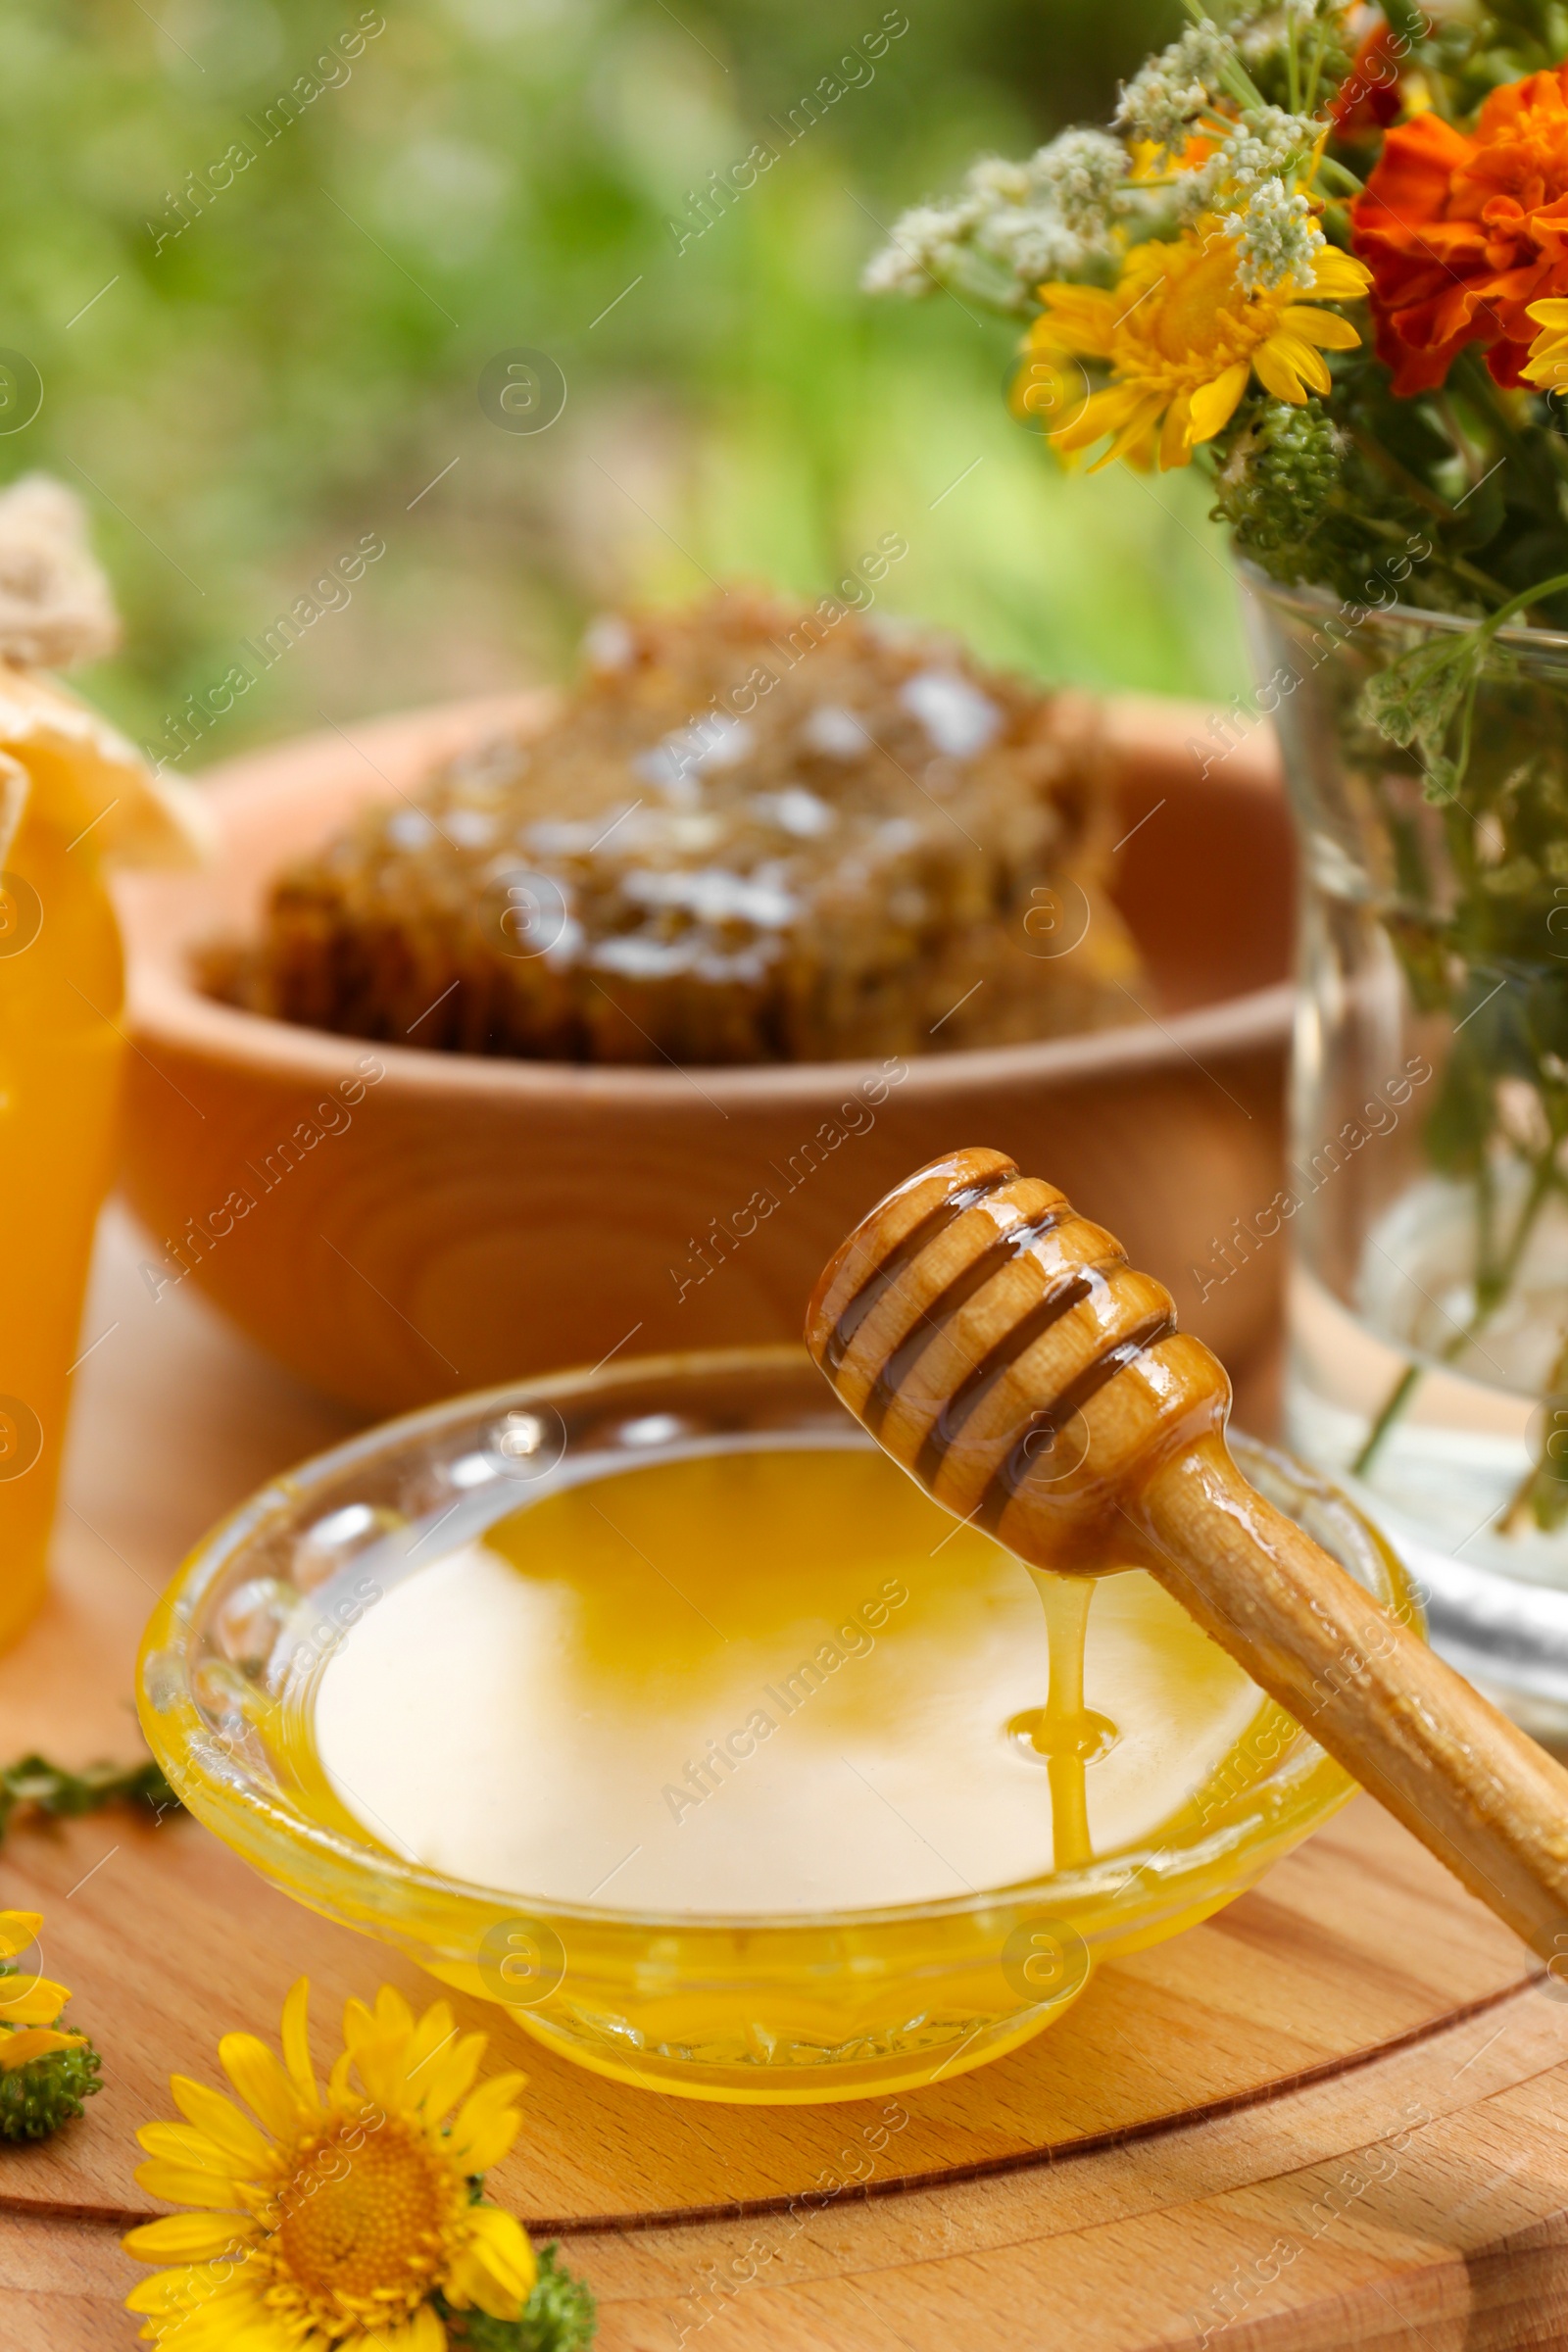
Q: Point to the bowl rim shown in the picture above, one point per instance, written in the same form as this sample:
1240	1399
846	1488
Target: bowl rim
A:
165	1010
166	1724
164	1013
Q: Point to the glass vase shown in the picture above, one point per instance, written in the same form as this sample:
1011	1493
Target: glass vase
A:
1426	1204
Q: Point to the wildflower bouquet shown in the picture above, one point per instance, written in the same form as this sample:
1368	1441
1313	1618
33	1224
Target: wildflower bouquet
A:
1324	250
1322	254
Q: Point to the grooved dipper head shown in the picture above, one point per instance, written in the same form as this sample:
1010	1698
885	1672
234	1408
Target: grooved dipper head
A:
1000	1347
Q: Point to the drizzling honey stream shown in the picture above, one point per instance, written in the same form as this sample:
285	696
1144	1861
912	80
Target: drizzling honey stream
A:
1000	1347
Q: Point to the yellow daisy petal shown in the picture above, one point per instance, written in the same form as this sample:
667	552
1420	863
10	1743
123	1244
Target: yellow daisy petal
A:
1214	405
186	2184
449	2078
1547	364
1046	385
190	2236
500	2242
30	2000
480	2113
234	2319
182	2143
220	2122
424	2332
17	1931
1325	328
1103	413
1301	360
496	2268
1277	376
434	2034
1076	319
1552	311
1135	441
379	2040
34	2042
166	2290
493	2140
297	2047
260	2080
381	2066
1174	447
393	2015
358	2023
1339	277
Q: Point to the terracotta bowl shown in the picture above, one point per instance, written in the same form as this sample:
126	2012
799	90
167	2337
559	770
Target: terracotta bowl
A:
398	1225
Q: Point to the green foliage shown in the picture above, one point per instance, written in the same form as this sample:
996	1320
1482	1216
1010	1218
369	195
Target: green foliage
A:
1325	40
35	2099
1278	486
1418	699
558	2315
1414	701
56	1794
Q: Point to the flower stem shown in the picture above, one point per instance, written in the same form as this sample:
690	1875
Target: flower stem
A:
1393	1405
1492	1288
1317	74
1533	1498
1240	84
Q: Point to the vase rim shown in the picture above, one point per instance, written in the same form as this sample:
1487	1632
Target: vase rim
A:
1322	600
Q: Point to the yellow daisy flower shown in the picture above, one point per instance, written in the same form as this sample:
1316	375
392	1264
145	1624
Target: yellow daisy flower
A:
328	2224
1182	340
17	1931
28	2005
1547	364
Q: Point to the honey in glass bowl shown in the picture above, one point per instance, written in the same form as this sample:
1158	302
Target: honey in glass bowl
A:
659	1707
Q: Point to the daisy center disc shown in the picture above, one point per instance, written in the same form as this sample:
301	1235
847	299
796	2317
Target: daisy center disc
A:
365	2214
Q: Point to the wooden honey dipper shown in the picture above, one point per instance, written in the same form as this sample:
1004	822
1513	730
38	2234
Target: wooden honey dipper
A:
1002	1349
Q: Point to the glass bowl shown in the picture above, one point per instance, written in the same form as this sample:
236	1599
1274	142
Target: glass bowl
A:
793	2008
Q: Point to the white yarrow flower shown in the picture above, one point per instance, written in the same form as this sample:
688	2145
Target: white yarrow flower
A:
1051	216
1276	237
1263	143
1163	98
1079	173
925	243
1268	33
1000	181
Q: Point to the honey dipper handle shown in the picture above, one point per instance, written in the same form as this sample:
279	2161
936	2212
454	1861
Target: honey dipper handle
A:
1478	1793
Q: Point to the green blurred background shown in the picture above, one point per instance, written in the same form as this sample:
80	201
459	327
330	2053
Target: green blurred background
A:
241	403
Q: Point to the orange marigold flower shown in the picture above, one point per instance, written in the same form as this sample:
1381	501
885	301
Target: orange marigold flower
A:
1463	234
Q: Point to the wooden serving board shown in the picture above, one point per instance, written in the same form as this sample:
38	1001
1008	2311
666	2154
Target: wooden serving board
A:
1328	2118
